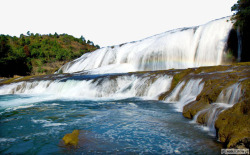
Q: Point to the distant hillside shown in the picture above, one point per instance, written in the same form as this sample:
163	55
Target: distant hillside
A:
35	54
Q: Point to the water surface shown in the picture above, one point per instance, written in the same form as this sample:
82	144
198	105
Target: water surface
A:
106	126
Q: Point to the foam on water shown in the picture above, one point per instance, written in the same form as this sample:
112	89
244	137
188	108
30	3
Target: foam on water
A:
48	123
7	140
23	101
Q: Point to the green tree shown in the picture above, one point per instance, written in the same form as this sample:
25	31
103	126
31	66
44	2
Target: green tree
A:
4	47
26	50
56	35
19	54
97	46
83	39
28	33
241	20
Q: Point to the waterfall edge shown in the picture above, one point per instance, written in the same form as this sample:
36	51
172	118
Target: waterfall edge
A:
205	85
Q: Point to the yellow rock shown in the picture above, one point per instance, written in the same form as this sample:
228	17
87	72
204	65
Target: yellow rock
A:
71	138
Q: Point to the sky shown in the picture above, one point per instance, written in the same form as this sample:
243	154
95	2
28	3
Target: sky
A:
107	22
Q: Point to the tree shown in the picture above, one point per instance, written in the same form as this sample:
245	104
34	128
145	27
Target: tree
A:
97	46
56	35
90	43
28	33
83	39
17	53
4	47
241	20
26	50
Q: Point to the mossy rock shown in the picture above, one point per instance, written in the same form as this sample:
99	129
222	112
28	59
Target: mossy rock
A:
210	69
208	95
71	138
203	118
179	76
191	109
233	124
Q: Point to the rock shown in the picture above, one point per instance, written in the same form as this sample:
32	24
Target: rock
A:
233	124
71	138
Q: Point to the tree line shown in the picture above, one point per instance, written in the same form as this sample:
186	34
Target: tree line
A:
20	55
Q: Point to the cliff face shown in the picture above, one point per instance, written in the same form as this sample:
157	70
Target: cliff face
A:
216	97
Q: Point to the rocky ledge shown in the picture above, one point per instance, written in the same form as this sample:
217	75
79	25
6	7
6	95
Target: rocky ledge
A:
216	105
232	121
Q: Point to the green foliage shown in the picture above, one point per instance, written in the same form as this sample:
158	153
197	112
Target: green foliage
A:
4	47
16	54
229	56
242	15
241	20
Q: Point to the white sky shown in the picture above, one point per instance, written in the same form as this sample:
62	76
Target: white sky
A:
107	22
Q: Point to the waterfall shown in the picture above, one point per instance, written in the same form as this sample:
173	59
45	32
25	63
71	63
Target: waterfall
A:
181	48
183	96
230	95
226	99
82	87
239	44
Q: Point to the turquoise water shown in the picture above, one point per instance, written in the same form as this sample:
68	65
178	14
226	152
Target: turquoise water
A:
107	126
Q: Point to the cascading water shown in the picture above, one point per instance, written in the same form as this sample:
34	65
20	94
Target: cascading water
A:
181	48
104	107
227	98
182	96
239	45
115	86
120	112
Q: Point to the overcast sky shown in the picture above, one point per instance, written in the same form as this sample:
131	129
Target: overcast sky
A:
107	22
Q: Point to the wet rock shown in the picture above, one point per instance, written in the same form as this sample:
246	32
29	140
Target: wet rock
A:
71	138
233	124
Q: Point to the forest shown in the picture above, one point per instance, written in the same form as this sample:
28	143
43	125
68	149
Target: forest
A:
36	54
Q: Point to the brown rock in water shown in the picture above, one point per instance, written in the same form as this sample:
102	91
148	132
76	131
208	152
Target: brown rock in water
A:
71	138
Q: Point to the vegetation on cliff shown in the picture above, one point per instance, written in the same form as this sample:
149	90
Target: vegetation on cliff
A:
34	54
242	24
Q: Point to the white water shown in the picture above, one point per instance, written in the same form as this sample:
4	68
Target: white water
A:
227	98
181	48
183	96
146	86
239	44
230	95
